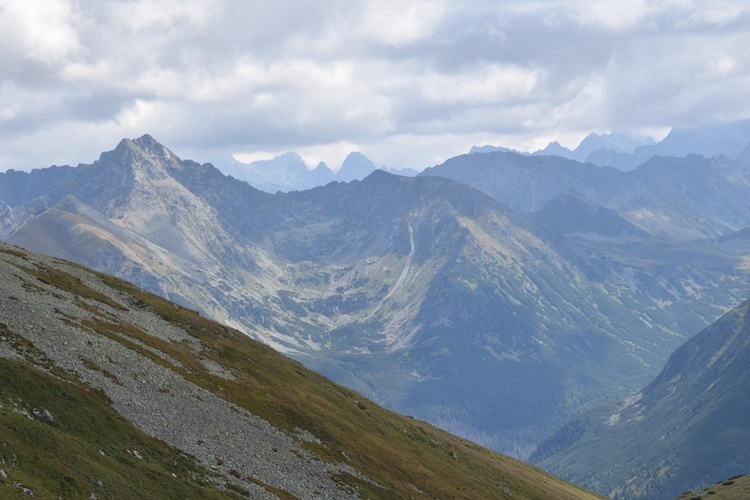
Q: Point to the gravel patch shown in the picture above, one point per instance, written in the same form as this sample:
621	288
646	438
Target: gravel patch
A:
154	398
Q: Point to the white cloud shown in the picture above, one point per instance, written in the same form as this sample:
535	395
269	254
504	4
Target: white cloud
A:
490	84
140	15
39	30
396	22
404	82
715	12
615	16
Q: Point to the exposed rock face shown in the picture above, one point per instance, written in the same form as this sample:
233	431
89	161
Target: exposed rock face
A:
151	395
6	220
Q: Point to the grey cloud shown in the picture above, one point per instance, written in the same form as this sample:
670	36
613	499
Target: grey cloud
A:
274	76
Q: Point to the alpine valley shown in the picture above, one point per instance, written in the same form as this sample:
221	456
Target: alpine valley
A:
687	428
107	391
496	312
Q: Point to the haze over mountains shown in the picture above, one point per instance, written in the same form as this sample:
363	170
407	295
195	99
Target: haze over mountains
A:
627	151
288	171
688	427
425	294
674	198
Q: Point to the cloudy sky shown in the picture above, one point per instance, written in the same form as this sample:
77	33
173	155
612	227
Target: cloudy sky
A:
408	83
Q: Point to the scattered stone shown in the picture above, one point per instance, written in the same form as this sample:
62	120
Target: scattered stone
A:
23	412
26	491
45	414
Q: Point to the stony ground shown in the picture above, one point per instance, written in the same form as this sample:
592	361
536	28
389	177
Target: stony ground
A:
151	396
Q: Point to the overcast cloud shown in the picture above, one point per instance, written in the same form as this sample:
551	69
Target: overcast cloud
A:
409	84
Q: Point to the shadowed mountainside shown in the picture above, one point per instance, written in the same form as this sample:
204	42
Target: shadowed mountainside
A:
688	428
674	198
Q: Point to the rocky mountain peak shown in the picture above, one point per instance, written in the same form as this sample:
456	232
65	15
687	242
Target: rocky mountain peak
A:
133	185
145	145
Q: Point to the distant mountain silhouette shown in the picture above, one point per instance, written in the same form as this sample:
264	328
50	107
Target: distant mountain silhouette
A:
626	151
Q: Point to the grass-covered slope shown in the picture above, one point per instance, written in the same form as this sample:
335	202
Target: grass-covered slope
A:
59	438
108	390
686	429
734	488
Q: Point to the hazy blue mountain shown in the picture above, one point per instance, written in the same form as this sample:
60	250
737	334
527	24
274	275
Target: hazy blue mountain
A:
628	151
491	149
554	149
613	143
602	144
524	182
726	139
423	293
18	187
677	198
574	215
685	430
356	166
406	172
287	172
319	176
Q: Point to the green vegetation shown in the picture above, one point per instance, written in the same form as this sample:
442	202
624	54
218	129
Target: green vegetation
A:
396	452
734	488
87	448
688	427
400	456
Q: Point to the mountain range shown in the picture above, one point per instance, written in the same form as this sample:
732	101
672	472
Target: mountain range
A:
628	151
288	172
688	427
424	294
107	391
674	198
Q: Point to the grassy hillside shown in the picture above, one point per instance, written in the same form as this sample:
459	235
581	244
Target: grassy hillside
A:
734	488
688	427
89	448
